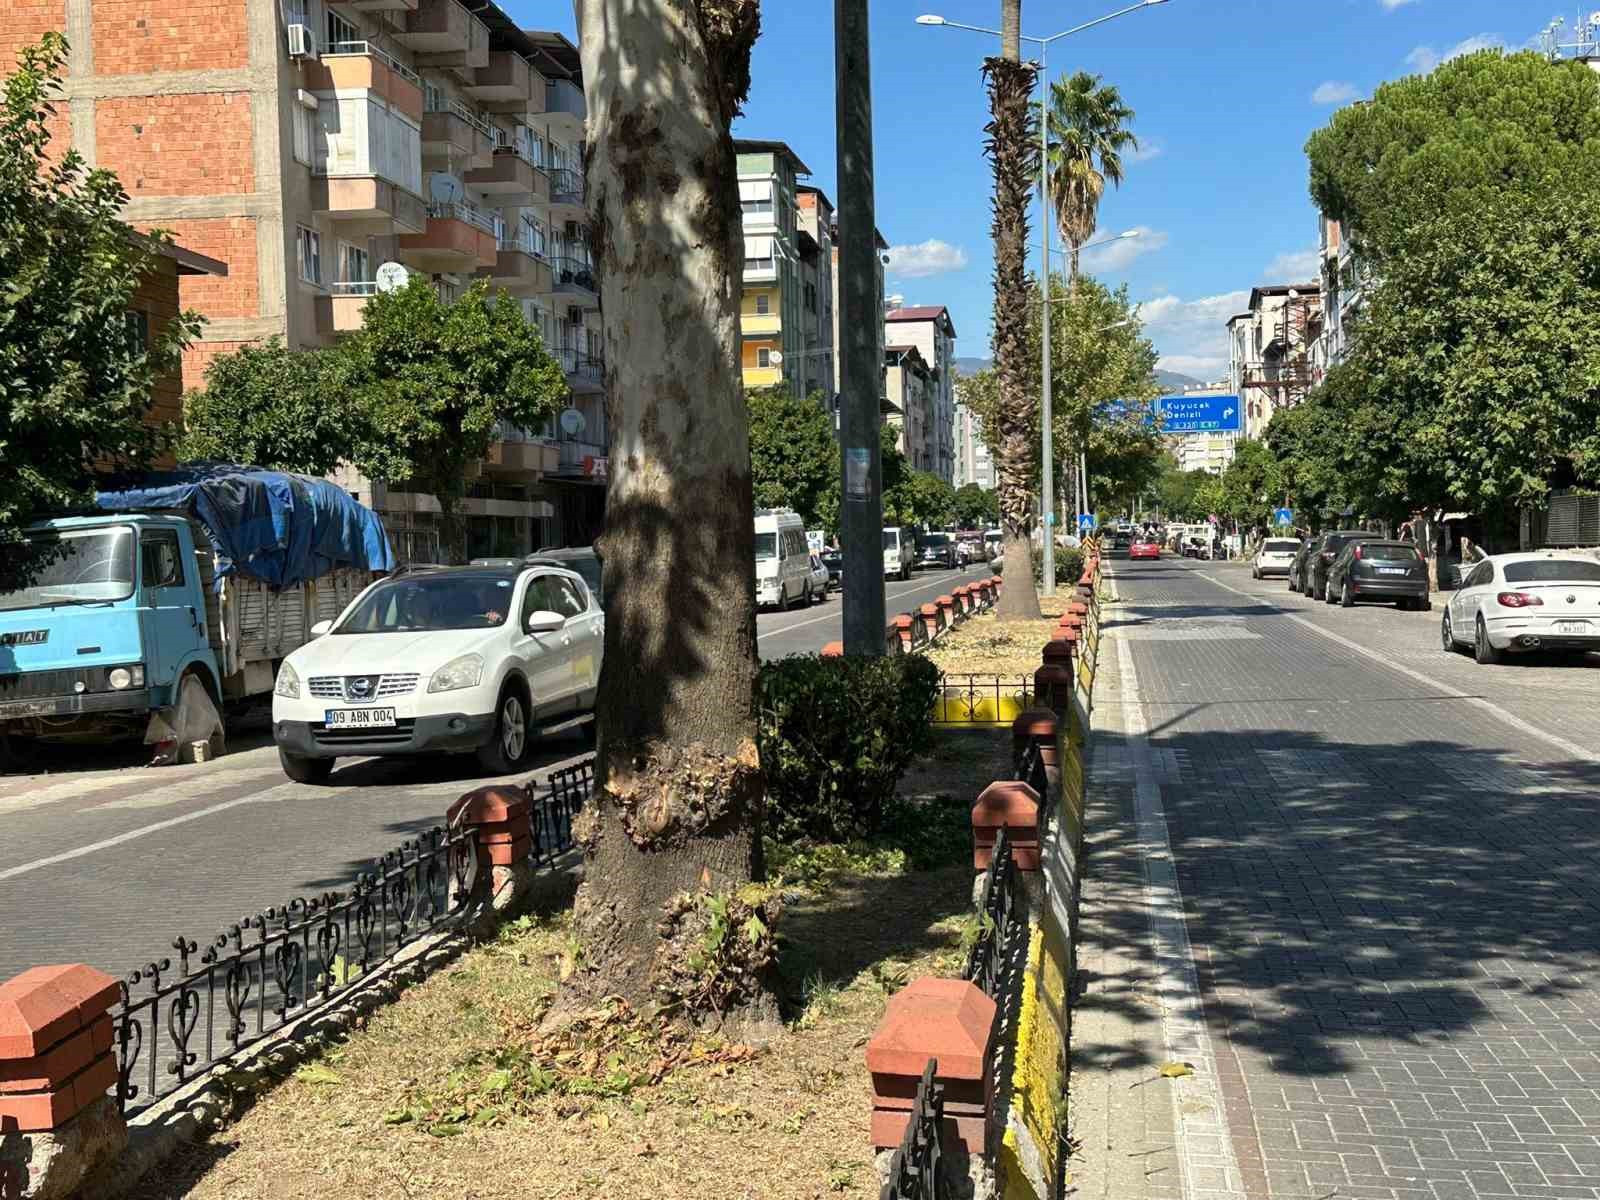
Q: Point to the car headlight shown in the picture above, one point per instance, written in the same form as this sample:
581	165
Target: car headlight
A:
463	672
125	677
288	685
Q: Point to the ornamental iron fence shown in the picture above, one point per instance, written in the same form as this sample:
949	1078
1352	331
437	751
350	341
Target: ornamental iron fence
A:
972	700
916	1169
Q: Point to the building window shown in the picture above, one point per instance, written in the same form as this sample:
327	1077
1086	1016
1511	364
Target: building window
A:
305	124
340	30
356	266
309	243
138	328
763	304
763	357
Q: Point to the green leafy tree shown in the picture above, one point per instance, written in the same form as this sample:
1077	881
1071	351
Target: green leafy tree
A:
793	457
894	474
75	376
1252	486
1088	135
269	406
975	506
922	499
1176	490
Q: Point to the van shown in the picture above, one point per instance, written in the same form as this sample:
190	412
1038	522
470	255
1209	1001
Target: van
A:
783	560
899	548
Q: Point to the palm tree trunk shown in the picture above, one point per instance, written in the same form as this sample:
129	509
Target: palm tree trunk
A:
679	787
1012	151
1011	30
1072	271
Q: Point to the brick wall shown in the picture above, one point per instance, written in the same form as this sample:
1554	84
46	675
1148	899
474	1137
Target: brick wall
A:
198	357
134	36
23	22
184	145
157	299
231	240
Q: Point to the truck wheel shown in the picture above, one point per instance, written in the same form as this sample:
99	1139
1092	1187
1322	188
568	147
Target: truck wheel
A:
507	747
305	770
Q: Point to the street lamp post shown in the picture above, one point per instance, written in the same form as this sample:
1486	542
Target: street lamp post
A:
1047	448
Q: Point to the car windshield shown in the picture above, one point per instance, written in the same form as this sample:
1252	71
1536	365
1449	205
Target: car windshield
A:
1280	546
1553	570
891	540
1388	552
766	546
78	567
480	600
935	540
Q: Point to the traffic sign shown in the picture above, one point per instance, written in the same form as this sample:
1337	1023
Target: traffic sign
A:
1283	516
1087	522
1198	414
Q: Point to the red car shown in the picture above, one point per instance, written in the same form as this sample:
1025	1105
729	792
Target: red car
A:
1144	547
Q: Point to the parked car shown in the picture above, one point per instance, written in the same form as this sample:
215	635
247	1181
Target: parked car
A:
936	550
1545	600
783	564
581	559
472	659
1374	569
1144	546
898	551
817	579
834	561
1314	571
1297	568
1275	556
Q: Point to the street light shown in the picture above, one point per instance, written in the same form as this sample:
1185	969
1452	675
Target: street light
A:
1047	481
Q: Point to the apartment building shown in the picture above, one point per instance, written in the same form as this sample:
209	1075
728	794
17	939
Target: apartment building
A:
931	331
1344	289
973	462
1270	348
772	316
881	248
910	393
815	238
307	142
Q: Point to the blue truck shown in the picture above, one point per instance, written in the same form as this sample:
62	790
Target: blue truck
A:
185	584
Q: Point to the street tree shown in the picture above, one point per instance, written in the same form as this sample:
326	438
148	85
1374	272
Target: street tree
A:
1013	154
975	506
1086	138
269	406
923	499
672	837
1252	486
893	473
793	456
76	375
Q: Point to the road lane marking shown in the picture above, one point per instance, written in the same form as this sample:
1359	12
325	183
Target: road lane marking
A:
1560	743
81	786
906	591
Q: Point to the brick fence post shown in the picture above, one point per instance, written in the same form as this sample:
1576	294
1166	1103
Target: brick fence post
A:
902	626
501	820
833	650
952	1022
930	620
56	1068
948	615
1012	805
1052	686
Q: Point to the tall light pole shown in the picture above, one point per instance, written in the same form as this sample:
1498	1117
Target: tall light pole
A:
1047	448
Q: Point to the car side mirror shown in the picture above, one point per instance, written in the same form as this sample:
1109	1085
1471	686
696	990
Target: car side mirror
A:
544	621
320	628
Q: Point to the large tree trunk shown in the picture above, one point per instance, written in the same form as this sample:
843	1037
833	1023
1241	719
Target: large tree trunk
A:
1011	29
1013	154
679	789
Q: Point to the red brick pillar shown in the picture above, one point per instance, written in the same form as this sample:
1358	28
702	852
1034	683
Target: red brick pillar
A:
1052	686
56	1068
1033	725
902	626
952	1022
833	650
499	815
947	611
996	582
930	620
1058	651
1012	805
963	598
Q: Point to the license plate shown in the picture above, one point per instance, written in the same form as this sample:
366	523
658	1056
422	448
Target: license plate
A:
359	718
1391	570
1572	627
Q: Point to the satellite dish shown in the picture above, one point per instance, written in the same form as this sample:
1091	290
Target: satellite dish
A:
572	422
776	358
442	188
391	276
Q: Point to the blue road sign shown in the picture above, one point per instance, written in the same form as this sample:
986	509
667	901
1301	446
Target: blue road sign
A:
1087	522
1198	414
1283	516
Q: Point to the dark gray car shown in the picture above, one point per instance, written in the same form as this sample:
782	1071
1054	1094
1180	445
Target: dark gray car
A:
1375	569
1314	572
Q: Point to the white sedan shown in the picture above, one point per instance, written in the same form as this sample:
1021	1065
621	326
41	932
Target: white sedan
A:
1275	557
460	659
1547	600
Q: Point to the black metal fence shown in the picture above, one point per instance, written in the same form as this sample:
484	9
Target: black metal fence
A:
916	1171
1001	919
975	699
177	1019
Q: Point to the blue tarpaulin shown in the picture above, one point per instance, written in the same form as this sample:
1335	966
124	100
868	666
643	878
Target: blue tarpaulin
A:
281	529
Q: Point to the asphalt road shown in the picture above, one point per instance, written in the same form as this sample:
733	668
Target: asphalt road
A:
105	861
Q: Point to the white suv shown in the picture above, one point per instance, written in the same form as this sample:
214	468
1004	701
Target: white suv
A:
465	658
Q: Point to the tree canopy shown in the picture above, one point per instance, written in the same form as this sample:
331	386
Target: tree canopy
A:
271	406
794	459
976	507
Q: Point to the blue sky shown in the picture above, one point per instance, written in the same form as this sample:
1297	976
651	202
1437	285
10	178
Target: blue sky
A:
1225	91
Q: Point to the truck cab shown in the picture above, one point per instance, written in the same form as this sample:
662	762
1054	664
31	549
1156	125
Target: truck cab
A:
113	618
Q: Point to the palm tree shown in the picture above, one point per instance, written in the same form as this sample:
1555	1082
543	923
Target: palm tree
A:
1088	135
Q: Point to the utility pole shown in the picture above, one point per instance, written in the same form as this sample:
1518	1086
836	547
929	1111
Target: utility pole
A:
1047	478
861	509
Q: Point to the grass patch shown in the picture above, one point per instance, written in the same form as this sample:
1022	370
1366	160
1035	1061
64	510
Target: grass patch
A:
985	645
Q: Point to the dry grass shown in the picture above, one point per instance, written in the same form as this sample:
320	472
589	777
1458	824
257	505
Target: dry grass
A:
377	1115
988	646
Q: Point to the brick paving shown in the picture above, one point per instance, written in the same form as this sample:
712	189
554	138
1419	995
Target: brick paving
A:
1390	897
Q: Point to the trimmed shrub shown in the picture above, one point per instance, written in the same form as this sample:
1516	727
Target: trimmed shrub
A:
835	736
1069	564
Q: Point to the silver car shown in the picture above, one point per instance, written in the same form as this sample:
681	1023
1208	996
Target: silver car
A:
1275	557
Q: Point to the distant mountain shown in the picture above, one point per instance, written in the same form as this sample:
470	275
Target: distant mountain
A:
1167	381
971	366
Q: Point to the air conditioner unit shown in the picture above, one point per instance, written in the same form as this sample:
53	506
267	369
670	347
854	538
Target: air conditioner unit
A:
302	42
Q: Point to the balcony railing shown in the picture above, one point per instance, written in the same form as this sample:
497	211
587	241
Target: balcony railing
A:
566	186
455	210
521	244
573	273
367	48
580	365
354	287
564	96
573	452
477	120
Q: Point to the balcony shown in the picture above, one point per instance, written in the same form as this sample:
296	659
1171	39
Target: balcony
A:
563	102
454	131
760	270
762	376
511	180
753	324
581	459
341	311
442	33
566	190
367	198
383	5
507	80
458	238
586	373
352	66
518	452
576	277
519	269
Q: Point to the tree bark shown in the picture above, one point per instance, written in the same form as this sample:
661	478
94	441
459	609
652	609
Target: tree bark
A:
679	789
1011	30
1013	154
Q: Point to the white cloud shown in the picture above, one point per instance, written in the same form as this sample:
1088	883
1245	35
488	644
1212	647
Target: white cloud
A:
1293	266
1426	58
1200	366
1169	313
921	259
1118	255
1391	5
1334	91
1192	335
1149	148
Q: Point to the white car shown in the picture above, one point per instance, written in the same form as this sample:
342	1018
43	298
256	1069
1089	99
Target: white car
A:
1545	600
817	579
458	659
1275	557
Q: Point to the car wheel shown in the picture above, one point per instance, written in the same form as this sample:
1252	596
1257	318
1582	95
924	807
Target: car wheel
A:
305	770
508	745
1347	598
1482	650
1447	635
1424	604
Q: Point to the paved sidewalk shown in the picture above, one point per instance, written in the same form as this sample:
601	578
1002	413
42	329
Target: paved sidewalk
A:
1367	910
